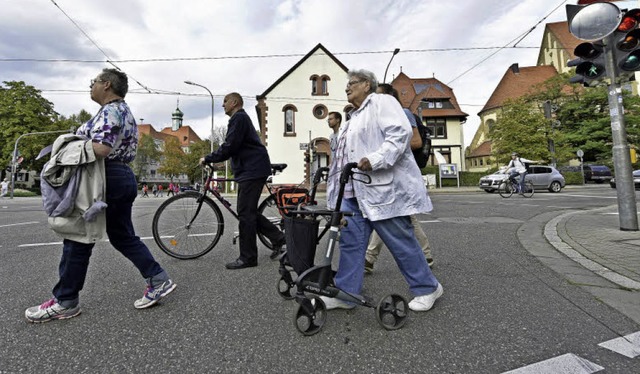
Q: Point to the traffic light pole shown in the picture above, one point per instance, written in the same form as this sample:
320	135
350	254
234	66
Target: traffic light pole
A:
627	208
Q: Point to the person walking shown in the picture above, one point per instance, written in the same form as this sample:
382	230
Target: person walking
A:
170	189
4	187
145	190
251	166
154	189
375	243
160	189
377	137
113	134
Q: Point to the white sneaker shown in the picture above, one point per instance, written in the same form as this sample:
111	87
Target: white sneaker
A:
425	302
333	303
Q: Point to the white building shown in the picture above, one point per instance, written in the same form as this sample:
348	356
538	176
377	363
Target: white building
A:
293	111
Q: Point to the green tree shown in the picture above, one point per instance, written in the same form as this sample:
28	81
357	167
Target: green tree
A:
521	128
586	123
173	160
147	153
23	110
192	167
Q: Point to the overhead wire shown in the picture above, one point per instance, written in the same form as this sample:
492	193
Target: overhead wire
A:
517	40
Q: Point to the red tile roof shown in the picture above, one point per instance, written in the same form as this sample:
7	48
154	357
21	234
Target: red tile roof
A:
517	82
185	134
413	90
483	149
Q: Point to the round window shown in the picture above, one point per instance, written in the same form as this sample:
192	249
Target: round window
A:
320	111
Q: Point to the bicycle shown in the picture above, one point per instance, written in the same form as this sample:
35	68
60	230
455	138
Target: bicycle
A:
509	186
190	224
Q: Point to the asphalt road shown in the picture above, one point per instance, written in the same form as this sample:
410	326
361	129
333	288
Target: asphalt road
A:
501	310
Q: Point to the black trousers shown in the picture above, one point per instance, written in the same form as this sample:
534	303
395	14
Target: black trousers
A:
250	221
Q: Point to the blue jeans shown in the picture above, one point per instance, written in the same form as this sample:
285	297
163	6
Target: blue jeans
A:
397	234
513	176
121	192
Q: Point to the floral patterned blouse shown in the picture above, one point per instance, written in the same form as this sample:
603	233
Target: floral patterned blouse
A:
114	125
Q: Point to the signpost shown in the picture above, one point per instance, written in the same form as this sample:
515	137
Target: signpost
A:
580	153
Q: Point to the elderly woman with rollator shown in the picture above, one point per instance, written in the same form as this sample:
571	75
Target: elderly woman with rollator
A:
377	138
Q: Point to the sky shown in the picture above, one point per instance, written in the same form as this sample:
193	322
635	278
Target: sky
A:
58	46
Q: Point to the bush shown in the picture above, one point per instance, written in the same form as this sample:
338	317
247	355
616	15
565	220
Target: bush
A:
573	177
22	193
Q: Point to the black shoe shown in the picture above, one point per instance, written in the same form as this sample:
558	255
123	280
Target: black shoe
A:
240	264
277	251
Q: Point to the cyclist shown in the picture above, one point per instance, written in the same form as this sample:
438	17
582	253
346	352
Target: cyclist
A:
517	166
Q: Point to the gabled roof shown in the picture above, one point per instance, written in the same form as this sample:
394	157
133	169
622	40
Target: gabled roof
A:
185	134
483	149
560	30
294	67
518	82
413	90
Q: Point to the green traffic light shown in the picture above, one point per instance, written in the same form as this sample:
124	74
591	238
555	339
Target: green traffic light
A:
631	62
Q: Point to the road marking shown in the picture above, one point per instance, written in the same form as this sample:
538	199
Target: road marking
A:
628	345
38	244
591	196
567	363
19	224
558	207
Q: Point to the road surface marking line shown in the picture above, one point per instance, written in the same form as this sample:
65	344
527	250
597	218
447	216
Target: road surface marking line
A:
567	363
629	345
590	196
19	224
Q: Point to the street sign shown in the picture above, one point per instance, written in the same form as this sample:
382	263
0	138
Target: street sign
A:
304	146
580	153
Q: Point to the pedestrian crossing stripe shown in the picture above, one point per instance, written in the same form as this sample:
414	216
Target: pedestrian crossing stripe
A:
628	345
567	363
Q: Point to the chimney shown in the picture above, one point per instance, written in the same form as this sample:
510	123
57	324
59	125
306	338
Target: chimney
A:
515	68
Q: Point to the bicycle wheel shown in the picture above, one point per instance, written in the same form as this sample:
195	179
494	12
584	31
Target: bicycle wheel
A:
269	209
528	189
183	232
506	189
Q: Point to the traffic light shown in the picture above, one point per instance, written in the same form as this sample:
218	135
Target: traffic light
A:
590	64
627	45
307	158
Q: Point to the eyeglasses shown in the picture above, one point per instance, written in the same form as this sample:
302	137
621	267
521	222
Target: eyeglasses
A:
351	83
94	81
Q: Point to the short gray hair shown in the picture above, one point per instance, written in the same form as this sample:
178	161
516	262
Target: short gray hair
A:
365	75
118	79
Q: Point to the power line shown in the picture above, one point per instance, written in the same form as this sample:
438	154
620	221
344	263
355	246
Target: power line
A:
175	59
519	39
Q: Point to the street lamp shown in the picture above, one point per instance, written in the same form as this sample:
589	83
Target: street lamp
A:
211	140
395	52
212	107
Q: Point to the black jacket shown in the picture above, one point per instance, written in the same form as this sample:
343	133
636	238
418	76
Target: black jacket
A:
249	157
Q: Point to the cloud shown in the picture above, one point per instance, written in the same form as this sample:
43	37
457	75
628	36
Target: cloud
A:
361	33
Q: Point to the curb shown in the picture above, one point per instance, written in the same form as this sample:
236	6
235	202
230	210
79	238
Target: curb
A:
551	233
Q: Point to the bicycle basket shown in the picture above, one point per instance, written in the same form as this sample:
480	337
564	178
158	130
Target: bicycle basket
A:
291	197
301	237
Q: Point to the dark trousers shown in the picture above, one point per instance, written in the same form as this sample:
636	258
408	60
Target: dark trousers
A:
121	192
250	221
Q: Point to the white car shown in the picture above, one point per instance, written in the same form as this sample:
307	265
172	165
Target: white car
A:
542	177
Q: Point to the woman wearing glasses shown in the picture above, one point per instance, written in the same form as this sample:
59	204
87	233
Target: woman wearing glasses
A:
377	137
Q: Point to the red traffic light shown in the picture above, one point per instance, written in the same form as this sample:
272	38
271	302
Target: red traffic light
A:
629	20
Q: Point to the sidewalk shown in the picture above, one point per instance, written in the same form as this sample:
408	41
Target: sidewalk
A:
593	240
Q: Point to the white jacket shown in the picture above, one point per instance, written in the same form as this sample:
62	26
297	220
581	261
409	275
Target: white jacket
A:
380	131
73	186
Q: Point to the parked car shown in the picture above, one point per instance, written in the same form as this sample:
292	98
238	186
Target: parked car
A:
187	188
597	173
636	180
542	177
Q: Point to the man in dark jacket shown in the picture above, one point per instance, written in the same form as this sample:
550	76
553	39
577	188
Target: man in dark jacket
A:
251	167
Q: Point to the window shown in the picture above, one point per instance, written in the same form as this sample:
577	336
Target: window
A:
324	85
320	111
481	161
438	127
314	84
289	120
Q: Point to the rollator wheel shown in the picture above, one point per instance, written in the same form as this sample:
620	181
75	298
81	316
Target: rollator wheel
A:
310	316
285	286
392	312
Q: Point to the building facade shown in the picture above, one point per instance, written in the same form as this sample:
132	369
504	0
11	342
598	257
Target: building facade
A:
292	114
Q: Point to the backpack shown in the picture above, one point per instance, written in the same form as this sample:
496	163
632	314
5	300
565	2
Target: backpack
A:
422	154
